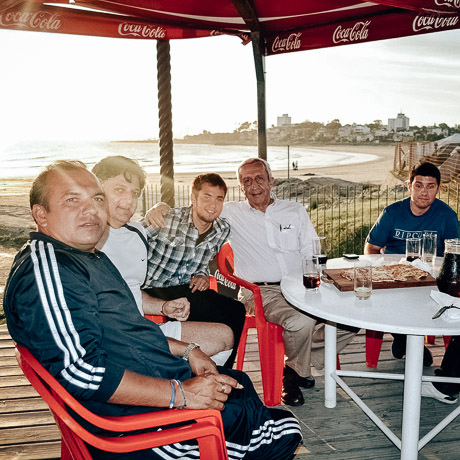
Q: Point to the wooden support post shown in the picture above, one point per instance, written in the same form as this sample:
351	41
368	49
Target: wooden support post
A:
258	51
165	119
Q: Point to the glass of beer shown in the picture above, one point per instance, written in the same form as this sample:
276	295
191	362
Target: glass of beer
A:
311	273
362	280
413	249
429	247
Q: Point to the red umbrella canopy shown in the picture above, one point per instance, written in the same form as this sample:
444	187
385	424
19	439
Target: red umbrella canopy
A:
292	25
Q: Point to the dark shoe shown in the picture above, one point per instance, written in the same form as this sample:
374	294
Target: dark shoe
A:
427	358
399	347
306	382
292	396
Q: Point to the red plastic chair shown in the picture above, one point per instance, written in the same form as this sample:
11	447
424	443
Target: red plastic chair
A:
205	425
374	345
431	338
270	338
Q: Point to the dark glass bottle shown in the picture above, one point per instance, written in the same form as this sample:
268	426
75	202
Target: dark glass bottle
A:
448	280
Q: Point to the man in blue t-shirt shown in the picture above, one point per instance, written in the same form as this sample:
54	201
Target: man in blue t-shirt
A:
421	213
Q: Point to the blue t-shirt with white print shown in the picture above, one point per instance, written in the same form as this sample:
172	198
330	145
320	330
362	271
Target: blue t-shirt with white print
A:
396	223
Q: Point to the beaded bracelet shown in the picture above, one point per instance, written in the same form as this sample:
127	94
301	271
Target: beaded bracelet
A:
179	384
173	394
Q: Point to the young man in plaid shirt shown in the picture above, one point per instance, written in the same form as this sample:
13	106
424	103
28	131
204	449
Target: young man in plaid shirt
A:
179	254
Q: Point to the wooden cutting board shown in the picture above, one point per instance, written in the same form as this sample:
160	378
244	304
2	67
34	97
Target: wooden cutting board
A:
342	284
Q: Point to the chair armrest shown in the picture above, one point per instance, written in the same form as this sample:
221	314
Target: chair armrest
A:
213	283
221	258
156	318
239	281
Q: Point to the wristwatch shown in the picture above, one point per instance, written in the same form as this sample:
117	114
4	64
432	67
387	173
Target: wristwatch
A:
190	347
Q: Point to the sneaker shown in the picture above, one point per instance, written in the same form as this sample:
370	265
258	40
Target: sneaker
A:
430	391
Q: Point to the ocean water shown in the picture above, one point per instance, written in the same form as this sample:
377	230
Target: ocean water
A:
26	159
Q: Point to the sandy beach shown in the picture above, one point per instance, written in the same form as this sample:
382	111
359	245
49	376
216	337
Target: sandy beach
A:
374	172
14	210
15	220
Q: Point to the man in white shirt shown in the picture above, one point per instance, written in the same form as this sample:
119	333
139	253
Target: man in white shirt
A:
269	238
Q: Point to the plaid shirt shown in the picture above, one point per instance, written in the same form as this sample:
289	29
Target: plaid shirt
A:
173	257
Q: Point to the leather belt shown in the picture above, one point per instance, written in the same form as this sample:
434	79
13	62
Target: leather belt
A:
268	284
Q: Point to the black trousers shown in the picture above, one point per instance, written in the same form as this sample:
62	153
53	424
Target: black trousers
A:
450	367
209	307
252	431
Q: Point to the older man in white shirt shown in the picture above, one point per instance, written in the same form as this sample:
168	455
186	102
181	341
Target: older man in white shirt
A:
269	238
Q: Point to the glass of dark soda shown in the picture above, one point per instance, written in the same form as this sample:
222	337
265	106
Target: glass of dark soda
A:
311	273
413	249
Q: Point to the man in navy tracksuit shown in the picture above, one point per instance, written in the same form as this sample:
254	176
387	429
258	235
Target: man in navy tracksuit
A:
68	304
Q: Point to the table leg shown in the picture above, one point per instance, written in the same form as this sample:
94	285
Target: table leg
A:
330	364
412	396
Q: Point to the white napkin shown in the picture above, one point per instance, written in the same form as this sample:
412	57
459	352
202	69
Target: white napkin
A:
418	263
442	299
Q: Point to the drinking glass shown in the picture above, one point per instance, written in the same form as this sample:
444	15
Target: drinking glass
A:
311	273
362	280
413	249
429	247
319	251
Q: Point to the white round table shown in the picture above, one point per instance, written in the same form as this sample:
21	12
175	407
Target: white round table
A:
405	311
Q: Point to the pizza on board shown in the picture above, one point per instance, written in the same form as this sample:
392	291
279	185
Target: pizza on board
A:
399	272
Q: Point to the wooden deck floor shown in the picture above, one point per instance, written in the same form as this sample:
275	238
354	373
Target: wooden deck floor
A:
27	430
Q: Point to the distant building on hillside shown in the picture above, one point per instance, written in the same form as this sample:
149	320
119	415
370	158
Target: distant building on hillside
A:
400	123
438	131
355	133
284	120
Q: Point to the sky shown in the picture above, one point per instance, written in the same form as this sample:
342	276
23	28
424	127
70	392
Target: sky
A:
57	86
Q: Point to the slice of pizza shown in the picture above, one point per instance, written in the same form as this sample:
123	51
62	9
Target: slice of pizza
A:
347	274
381	274
390	273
